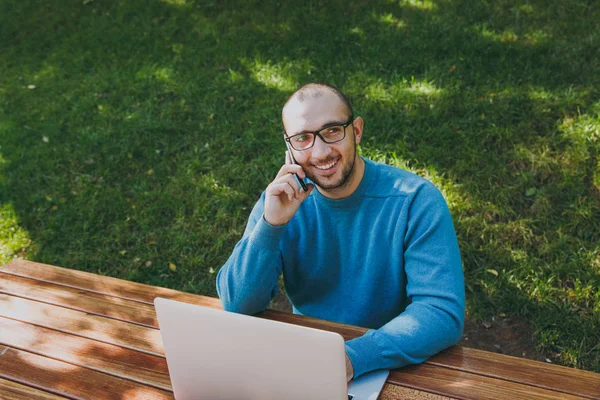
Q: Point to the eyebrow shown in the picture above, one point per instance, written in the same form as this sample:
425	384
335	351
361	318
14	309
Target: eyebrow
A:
326	125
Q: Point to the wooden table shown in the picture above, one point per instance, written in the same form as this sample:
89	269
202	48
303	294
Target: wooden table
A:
76	335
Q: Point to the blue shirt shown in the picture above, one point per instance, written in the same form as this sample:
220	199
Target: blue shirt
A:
385	258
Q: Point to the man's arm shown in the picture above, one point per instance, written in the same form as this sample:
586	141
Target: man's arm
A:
248	280
434	319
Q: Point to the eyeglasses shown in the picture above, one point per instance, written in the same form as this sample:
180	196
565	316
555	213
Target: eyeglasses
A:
329	134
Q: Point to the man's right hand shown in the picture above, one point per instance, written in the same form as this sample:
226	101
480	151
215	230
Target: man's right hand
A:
283	196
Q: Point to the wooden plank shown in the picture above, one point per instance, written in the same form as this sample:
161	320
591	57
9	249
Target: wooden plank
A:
70	380
393	392
87	353
15	391
77	299
78	323
464	385
102	284
549	376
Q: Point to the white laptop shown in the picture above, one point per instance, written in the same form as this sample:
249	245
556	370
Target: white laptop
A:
218	355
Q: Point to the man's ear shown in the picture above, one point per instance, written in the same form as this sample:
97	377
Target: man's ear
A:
358	129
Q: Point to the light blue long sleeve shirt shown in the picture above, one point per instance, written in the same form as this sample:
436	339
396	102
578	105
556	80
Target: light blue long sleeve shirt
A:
385	258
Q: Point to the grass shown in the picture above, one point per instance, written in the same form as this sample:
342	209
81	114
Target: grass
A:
135	136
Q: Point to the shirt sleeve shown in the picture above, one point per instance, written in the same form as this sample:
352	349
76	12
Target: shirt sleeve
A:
248	280
434	318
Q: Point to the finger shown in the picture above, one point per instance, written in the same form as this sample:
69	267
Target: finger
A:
290	169
282	188
292	182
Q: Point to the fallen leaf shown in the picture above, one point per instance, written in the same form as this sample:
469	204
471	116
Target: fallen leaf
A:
45	139
150	171
487	325
54	207
148	263
492	271
211	116
123	252
530	192
172	267
31	87
452	68
136	260
211	270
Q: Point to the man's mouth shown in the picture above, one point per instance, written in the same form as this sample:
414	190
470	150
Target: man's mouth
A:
327	166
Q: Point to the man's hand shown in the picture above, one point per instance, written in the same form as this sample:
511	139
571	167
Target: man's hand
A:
349	369
284	196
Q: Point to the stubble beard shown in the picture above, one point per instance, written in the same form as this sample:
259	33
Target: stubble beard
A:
347	173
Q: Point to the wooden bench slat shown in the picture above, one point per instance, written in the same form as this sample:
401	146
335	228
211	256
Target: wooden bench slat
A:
464	385
394	392
77	299
78	323
549	376
70	380
102	284
87	353
10	390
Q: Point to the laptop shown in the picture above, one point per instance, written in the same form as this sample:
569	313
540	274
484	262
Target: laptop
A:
218	355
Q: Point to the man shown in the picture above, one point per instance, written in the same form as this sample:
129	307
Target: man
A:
367	244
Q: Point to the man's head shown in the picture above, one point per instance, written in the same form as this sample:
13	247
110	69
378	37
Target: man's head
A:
330	165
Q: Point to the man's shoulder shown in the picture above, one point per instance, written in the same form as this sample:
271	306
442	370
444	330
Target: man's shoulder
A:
391	181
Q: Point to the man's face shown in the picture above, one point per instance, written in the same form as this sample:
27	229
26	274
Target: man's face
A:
329	165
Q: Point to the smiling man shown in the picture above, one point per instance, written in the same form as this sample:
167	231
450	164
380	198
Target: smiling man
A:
366	244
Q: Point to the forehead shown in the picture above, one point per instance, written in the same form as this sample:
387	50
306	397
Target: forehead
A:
312	113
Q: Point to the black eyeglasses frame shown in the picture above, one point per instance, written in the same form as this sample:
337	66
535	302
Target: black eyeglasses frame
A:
316	133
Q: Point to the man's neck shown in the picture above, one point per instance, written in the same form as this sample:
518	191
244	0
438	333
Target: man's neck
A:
346	190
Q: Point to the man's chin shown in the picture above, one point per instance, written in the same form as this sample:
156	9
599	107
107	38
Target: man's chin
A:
328	185
335	181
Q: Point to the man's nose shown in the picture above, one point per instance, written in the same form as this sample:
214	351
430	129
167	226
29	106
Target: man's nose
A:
320	149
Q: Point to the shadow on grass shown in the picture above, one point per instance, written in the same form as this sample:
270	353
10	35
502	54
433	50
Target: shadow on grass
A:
153	126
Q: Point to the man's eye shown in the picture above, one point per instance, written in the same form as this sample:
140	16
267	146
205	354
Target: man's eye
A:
334	129
301	138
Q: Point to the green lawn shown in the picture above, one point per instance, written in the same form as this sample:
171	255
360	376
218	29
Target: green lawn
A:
135	136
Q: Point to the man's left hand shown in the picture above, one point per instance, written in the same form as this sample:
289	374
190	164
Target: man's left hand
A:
349	369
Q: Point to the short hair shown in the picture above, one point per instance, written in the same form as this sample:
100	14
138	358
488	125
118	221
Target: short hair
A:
316	89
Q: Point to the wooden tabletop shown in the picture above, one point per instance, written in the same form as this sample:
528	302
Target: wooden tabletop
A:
67	334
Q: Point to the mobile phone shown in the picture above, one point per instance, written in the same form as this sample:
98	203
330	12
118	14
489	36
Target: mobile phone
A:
300	181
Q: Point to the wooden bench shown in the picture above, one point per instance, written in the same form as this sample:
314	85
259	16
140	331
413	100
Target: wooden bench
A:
77	335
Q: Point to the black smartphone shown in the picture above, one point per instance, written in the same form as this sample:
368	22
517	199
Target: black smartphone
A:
300	181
